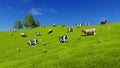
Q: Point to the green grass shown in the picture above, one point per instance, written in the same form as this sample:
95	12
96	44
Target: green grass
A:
99	51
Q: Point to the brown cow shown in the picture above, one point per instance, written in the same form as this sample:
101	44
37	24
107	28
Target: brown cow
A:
50	31
89	31
23	34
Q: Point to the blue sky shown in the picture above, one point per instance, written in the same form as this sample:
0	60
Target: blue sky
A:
69	12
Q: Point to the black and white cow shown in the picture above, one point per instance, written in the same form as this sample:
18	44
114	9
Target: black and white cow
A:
37	33
63	39
13	30
32	42
78	25
86	24
70	29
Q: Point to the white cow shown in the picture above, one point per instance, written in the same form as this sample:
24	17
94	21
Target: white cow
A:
63	39
32	42
13	30
70	29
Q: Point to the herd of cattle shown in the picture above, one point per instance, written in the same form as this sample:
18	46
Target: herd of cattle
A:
62	38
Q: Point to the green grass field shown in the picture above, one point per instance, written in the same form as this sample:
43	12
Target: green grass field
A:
99	51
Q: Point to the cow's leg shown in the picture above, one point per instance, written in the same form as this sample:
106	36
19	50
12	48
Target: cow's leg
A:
66	41
29	44
85	34
94	33
35	42
60	41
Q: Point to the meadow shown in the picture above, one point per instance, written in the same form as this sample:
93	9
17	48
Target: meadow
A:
99	51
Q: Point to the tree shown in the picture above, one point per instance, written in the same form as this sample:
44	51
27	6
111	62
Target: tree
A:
29	21
25	24
36	24
18	25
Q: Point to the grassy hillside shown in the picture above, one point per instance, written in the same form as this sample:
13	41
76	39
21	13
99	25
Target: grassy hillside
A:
99	51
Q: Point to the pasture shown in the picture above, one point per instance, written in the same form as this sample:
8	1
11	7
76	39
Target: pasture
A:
99	51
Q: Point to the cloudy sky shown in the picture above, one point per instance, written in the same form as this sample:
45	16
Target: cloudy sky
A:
69	12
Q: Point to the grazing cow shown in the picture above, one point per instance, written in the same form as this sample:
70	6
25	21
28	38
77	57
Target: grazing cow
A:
23	34
53	25
32	42
70	29
78	25
63	25
44	25
50	31
37	33
89	31
103	22
13	30
86	24
63	39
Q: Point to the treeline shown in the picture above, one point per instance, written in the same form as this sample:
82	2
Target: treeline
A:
28	22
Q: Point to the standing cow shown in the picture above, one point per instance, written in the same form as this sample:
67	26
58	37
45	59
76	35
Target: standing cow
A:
32	42
37	33
23	34
78	25
63	25
89	31
13	30
63	38
54	25
86	24
103	22
70	29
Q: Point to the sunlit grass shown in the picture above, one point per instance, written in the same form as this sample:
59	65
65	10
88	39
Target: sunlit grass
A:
99	51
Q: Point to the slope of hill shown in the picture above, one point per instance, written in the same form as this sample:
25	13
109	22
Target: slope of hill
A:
99	51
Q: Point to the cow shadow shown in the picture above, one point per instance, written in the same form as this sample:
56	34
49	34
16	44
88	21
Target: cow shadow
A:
82	35
86	35
24	36
63	42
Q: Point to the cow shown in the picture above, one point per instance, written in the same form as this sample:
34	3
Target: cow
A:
54	25
86	24
13	30
63	25
103	22
78	25
70	29
44	25
63	38
32	42
37	33
89	31
50	31
23	34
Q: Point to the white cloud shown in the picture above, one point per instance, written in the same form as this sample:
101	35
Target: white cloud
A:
27	0
52	10
116	14
9	7
41	11
36	11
